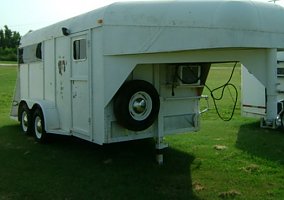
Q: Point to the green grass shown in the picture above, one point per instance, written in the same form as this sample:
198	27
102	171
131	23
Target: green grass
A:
8	62
7	85
224	160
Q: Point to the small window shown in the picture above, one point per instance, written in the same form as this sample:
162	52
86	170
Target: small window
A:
38	51
79	49
31	53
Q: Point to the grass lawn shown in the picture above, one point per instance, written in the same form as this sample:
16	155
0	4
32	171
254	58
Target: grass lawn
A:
8	62
224	160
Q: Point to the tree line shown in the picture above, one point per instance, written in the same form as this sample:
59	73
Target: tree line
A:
9	42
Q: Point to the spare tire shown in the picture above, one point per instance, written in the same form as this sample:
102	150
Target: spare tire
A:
136	105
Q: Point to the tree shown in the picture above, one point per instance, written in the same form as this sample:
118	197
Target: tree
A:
7	37
1	38
16	37
9	42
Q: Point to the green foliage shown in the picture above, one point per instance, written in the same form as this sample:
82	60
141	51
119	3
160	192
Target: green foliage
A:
8	54
9	42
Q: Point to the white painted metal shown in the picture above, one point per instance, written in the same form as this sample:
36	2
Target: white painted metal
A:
146	41
80	92
62	65
271	70
254	96
49	75
141	27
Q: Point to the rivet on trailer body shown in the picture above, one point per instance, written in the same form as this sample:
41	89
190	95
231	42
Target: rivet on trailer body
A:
100	21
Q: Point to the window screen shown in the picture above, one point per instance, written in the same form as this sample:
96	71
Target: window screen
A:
79	49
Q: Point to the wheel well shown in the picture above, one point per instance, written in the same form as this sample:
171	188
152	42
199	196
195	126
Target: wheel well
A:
22	103
35	107
48	110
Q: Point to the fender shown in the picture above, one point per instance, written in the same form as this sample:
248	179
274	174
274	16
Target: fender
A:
49	111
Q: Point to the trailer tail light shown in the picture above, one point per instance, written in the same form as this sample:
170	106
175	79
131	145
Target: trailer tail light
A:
280	71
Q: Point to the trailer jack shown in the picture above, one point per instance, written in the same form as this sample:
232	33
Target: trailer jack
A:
160	148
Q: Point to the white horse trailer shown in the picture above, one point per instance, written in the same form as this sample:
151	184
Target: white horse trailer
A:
137	70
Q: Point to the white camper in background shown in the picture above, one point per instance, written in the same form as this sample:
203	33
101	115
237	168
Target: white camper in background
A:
254	94
137	70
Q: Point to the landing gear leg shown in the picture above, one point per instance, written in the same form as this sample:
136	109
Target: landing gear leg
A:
160	148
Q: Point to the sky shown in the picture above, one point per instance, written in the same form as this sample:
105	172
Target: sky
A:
25	15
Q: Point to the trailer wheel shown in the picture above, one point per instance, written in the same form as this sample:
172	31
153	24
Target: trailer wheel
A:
136	105
282	121
39	129
25	119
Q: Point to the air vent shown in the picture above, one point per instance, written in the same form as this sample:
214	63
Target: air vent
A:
189	74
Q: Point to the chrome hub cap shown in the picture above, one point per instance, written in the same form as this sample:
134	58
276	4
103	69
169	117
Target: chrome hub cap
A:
25	121
140	106
38	127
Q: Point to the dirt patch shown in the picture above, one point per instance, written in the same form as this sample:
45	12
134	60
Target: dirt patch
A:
229	194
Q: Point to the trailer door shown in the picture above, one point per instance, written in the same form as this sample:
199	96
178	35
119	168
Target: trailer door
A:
79	86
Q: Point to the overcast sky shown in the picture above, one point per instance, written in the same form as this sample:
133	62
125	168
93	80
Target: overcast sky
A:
25	15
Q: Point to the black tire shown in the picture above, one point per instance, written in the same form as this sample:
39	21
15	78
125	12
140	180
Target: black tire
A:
39	127
136	105
282	121
25	118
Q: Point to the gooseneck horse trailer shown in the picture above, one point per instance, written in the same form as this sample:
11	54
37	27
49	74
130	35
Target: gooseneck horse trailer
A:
134	70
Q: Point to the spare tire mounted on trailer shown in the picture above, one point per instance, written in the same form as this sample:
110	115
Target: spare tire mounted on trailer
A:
136	105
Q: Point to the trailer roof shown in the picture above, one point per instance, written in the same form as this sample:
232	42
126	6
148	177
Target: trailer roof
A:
206	24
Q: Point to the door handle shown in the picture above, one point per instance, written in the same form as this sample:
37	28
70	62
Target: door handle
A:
74	94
